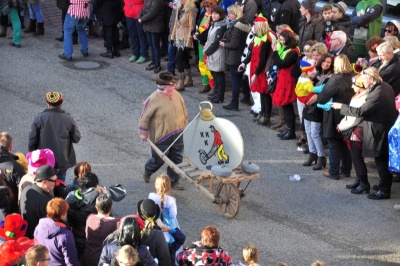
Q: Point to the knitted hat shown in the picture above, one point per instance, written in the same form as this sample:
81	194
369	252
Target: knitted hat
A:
44	172
38	158
305	66
220	11
54	98
165	78
260	18
341	6
13	227
308	4
14	249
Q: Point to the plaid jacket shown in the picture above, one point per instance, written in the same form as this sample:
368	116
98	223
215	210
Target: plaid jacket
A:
203	256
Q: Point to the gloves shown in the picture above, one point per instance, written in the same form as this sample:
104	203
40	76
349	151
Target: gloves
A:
356	20
5	10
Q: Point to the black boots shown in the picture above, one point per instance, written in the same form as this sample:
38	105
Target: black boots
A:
312	157
39	29
360	189
32	26
108	54
116	52
353	185
321	162
287	134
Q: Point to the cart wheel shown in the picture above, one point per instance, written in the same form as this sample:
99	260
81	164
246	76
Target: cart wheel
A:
203	156
228	199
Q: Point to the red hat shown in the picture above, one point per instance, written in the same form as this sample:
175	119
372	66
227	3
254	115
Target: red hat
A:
13	227
14	249
260	18
39	158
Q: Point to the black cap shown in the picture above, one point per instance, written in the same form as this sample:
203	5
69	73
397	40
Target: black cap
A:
44	172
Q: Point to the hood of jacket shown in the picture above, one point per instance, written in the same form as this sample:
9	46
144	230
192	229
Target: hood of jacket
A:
49	229
242	25
314	20
87	196
221	23
6	156
345	21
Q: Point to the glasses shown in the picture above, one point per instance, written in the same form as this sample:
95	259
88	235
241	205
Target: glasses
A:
209	5
388	31
51	180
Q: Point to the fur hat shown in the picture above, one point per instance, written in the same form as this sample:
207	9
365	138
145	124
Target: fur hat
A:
308	4
13	227
14	249
148	209
165	78
341	6
38	158
44	172
54	98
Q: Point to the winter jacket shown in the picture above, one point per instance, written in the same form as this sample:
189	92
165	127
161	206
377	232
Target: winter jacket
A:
311	30
348	50
289	14
152	16
349	122
109	250
4	200
132	8
390	73
235	40
379	113
344	24
214	52
185	22
158	247
249	9
56	130
81	205
204	256
109	11
13	173
34	209
59	241
339	88
270	10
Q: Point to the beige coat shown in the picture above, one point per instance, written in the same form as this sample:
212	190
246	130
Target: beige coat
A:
184	26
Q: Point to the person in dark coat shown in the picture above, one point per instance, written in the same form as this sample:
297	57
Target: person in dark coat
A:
56	130
289	14
343	20
270	9
11	170
311	23
5	196
340	44
152	19
390	68
110	14
379	114
34	198
234	41
339	88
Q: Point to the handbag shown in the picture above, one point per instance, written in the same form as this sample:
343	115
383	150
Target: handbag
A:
117	192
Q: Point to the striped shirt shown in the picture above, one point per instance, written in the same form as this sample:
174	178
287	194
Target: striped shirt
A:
79	8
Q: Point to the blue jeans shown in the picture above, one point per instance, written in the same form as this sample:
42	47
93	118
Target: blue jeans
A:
338	151
62	175
174	154
236	78
313	131
35	12
137	38
69	26
154	41
171	58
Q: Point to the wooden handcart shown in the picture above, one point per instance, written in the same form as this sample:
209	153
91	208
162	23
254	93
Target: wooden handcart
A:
224	191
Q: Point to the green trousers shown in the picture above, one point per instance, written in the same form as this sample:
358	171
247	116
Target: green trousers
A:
16	24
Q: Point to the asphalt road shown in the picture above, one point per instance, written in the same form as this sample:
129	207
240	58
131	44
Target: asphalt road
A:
294	222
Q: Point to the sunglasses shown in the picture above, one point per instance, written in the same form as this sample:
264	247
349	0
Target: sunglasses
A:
389	31
51	180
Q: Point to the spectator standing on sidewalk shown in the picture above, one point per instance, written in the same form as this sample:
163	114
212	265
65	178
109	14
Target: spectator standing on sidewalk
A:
36	23
11	8
77	17
56	130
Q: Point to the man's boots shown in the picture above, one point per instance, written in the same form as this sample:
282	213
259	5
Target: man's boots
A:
108	54
32	26
180	84
282	120
188	78
39	29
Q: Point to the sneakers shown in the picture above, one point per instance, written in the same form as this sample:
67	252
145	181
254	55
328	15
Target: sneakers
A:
141	60
64	57
178	186
133	59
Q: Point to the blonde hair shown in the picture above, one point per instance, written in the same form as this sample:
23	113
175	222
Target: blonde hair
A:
318	263
261	28
373	73
189	4
162	186
281	27
342	64
250	255
236	10
36	254
320	48
127	252
393	41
